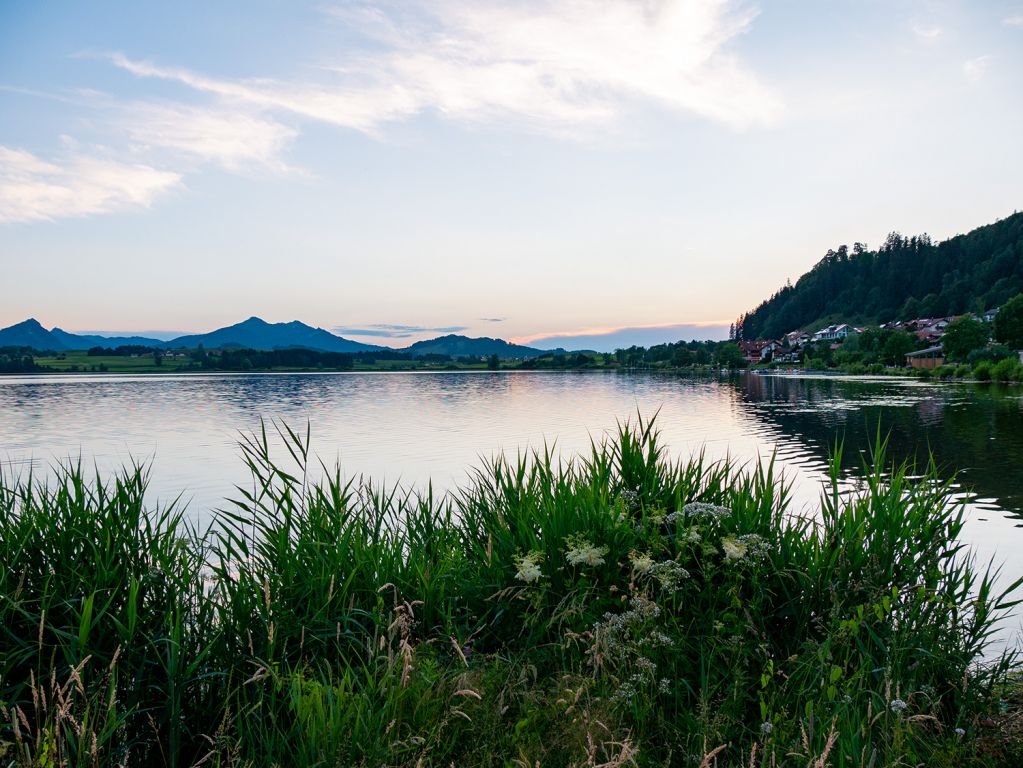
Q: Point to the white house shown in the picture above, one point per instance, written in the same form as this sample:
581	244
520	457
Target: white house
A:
833	332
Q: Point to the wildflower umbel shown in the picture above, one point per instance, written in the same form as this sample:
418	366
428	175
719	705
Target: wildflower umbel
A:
898	706
529	567
747	547
669	575
700	510
581	552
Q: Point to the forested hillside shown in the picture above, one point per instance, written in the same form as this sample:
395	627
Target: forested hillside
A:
906	277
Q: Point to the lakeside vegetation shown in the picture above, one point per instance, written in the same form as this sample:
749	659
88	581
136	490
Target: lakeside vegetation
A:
136	359
626	609
906	277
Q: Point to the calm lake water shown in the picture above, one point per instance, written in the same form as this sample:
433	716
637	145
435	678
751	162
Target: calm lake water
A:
421	426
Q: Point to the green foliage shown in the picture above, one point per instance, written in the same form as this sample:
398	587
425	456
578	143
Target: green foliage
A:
993	353
1009	323
17	360
1006	370
896	347
904	278
730	356
982	371
621	609
962	336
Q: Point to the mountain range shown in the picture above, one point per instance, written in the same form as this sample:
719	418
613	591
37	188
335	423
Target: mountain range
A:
256	333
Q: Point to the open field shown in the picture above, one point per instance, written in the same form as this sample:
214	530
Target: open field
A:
625	610
83	362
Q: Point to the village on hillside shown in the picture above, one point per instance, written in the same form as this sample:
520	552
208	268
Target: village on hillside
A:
922	341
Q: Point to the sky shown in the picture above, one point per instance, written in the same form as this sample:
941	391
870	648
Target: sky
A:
587	173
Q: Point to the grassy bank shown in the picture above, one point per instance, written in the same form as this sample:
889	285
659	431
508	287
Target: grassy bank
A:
625	610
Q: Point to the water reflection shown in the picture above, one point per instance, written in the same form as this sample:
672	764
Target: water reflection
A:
416	427
975	431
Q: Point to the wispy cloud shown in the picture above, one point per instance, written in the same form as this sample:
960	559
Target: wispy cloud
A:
1016	20
233	139
81	184
975	69
660	331
493	319
552	64
928	33
389	331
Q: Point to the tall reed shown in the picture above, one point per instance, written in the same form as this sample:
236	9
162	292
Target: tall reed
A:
622	608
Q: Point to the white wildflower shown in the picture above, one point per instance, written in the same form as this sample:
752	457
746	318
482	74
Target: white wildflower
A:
641	563
657	639
529	567
702	510
646	665
582	552
898	706
766	728
960	732
757	546
669	574
733	550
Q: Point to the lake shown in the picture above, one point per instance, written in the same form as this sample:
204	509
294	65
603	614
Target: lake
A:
417	427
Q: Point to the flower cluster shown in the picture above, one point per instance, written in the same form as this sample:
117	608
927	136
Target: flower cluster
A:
691	536
631	498
581	552
669	574
628	690
898	706
699	510
749	547
529	567
732	549
641	563
615	634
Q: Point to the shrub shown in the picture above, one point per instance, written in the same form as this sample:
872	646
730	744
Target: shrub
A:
992	353
982	371
963	372
1006	370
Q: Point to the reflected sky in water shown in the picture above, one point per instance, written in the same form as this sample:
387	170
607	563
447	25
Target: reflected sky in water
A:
414	427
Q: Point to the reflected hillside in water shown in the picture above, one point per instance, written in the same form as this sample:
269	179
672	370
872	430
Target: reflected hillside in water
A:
975	430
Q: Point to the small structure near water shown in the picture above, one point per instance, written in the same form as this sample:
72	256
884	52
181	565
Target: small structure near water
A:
931	357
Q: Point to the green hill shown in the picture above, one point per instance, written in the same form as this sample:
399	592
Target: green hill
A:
906	277
459	346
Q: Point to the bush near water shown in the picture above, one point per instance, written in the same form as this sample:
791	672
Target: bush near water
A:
624	609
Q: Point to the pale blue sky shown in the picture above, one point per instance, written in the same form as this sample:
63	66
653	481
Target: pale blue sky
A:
521	169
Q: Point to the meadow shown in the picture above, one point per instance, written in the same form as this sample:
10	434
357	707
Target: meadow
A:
622	609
